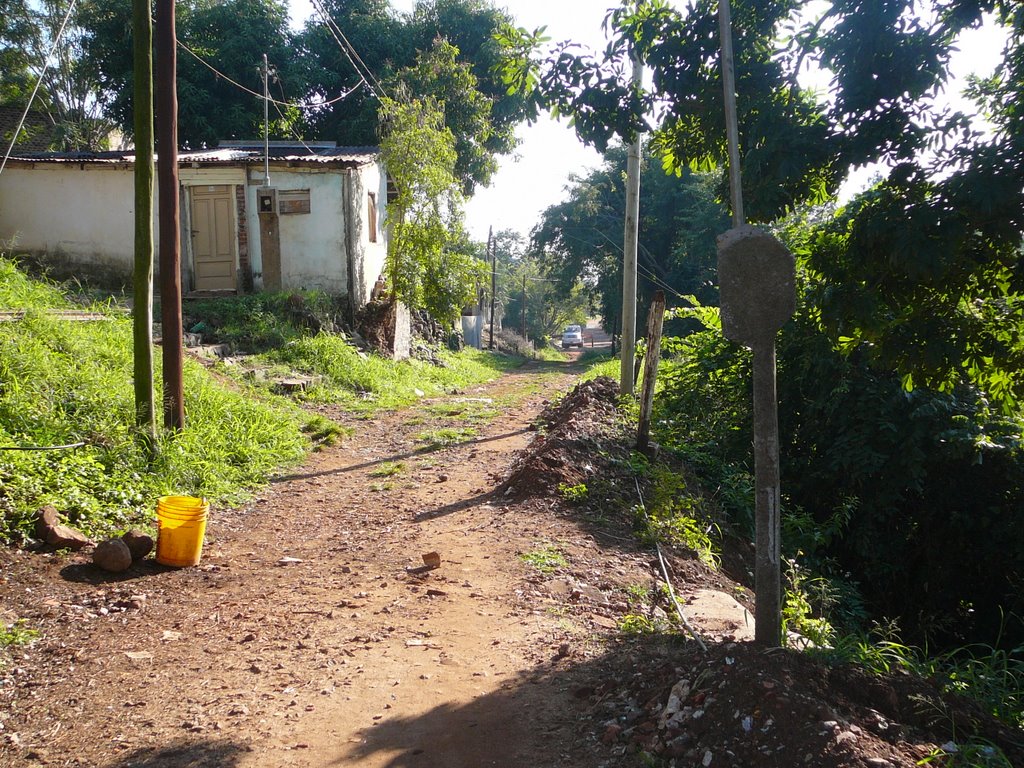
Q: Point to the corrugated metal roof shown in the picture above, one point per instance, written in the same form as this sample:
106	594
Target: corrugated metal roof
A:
338	156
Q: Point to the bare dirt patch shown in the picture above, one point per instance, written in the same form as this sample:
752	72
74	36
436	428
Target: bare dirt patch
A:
311	635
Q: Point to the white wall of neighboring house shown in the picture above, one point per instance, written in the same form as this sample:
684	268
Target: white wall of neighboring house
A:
370	179
77	214
313	254
83	214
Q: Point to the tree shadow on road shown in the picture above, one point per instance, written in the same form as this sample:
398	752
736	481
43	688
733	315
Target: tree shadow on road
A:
185	754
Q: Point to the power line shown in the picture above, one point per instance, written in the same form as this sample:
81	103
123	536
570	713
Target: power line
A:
348	50
46	66
296	105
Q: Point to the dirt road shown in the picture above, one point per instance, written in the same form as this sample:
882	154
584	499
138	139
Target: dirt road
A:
302	639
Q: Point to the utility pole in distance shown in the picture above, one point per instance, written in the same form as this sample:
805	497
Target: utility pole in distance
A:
494	273
524	305
169	224
265	70
628	353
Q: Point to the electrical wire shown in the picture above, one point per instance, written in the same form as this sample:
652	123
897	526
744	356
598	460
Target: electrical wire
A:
41	447
668	581
35	90
295	105
348	50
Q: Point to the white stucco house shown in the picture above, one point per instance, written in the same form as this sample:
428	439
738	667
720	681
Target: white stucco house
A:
318	224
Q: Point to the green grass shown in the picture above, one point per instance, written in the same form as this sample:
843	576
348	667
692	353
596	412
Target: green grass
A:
369	383
546	559
446	437
388	469
599	363
62	382
260	321
550	354
474	411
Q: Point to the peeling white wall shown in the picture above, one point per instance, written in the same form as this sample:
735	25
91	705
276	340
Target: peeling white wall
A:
77	214
84	214
313	252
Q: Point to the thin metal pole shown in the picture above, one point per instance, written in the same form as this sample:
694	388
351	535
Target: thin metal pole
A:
731	120
169	221
627	358
494	276
266	124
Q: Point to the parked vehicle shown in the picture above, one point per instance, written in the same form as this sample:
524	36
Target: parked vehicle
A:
572	337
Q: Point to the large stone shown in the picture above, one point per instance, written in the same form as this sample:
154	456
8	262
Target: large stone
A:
138	542
112	555
66	537
46	518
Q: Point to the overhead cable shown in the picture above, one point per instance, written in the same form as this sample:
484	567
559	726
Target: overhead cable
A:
295	105
348	50
46	66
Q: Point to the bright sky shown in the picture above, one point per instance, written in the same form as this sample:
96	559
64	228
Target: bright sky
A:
536	176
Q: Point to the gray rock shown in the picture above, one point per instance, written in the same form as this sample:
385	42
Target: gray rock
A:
112	555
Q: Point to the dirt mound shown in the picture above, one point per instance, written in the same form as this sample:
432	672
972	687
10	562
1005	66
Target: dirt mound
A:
571	432
741	705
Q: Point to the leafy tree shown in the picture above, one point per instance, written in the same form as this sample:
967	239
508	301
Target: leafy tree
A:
15	37
443	50
425	267
438	72
67	93
923	276
230	36
581	238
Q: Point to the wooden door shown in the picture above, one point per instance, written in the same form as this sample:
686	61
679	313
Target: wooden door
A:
213	237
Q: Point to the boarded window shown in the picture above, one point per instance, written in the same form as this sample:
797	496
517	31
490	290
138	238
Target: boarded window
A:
371	212
292	201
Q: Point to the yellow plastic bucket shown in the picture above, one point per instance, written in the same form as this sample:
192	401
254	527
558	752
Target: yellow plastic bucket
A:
181	525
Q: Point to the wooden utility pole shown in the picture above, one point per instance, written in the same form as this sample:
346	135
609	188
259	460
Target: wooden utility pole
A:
626	360
731	120
655	322
757	289
494	276
524	306
142	279
169	224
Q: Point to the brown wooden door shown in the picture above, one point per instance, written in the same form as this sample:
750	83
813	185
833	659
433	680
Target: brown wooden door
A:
213	237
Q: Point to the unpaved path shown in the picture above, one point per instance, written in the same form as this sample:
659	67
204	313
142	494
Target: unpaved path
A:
337	656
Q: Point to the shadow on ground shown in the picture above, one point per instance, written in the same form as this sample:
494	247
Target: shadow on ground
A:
742	704
185	754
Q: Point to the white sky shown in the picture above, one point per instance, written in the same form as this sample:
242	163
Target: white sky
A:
535	177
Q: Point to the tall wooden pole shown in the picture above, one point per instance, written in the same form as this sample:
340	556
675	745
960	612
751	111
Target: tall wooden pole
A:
494	276
767	493
731	120
524	306
169	224
142	279
631	234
